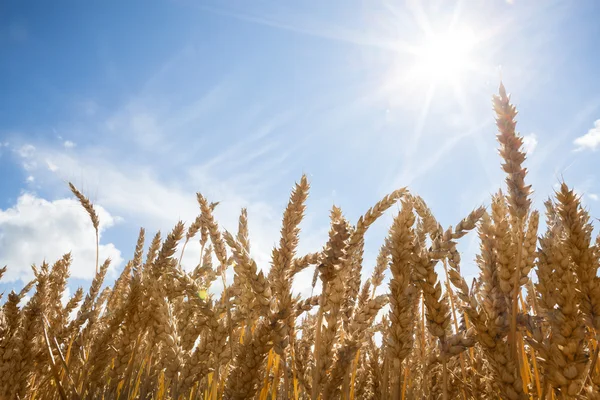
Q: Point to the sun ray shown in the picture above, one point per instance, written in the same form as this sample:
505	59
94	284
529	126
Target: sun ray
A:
422	119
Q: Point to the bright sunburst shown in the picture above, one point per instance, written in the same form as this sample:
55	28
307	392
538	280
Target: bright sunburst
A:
444	58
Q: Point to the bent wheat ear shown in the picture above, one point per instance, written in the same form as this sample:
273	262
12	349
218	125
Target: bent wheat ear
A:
89	207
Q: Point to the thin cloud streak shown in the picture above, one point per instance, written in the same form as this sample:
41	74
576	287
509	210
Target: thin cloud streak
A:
298	26
411	172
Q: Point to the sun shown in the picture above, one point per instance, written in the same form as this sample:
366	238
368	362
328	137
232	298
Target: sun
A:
444	57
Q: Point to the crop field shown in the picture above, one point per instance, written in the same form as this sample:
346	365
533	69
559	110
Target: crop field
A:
528	327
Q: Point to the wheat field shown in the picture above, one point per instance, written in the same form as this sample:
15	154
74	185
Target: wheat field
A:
526	328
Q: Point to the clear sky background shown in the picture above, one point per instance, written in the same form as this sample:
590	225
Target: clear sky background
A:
143	103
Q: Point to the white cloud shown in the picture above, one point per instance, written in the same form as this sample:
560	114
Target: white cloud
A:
34	230
590	140
29	165
593	196
142	125
26	151
51	166
30	179
530	142
30	156
68	144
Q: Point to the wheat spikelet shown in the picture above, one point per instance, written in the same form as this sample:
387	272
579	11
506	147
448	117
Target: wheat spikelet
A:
512	154
246	373
563	348
153	249
581	251
403	291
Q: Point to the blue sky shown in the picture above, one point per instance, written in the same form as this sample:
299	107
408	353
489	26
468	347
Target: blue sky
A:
143	103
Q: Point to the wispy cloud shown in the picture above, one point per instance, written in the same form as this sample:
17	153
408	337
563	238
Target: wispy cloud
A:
148	125
294	21
51	166
410	172
530	142
591	140
25	151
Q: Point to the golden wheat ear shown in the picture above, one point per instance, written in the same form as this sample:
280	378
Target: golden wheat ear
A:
512	152
89	208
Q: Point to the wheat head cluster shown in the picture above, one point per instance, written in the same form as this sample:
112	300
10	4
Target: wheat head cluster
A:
526	328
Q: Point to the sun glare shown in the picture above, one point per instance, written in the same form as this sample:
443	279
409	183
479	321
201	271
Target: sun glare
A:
444	58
